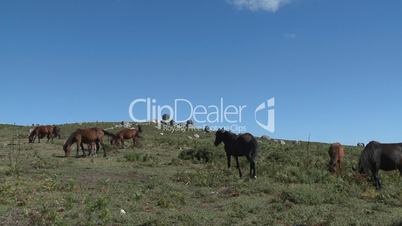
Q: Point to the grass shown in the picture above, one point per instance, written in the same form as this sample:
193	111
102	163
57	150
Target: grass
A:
171	179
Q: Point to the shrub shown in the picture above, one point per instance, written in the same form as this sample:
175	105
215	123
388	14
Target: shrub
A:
97	212
200	155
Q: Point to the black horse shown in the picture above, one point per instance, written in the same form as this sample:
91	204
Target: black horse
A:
238	145
377	156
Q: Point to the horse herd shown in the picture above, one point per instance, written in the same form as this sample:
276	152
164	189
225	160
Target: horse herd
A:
92	137
375	156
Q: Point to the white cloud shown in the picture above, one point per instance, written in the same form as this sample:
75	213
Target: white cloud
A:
290	35
255	5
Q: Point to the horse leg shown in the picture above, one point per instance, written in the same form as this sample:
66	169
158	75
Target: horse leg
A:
238	165
339	167
254	170
228	159
104	150
377	180
92	149
96	147
83	149
78	148
251	166
100	142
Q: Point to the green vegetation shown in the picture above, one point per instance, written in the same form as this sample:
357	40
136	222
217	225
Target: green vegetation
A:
171	179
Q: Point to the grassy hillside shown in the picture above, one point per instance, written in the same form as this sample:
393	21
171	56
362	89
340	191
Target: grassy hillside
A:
161	182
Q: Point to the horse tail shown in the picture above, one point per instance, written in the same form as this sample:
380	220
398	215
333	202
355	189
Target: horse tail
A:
254	148
139	129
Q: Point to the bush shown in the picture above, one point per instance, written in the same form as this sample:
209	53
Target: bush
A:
200	155
138	157
97	211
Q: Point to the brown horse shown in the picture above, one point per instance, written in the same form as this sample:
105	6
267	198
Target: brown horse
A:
336	153
44	131
87	136
125	134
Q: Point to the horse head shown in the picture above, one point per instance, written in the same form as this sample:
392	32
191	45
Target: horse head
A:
219	136
56	132
67	149
332	167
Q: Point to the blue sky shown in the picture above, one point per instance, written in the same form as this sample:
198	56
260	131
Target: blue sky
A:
334	67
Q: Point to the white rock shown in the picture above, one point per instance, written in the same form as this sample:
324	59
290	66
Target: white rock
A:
122	212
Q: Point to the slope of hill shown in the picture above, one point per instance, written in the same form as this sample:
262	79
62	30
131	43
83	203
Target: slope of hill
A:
162	181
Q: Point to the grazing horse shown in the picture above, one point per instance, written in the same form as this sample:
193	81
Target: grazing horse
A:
238	145
377	156
56	132
336	153
87	136
126	134
44	131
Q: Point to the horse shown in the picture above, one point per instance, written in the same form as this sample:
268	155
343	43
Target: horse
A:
87	136
126	134
336	153
377	156
44	131
56	132
238	145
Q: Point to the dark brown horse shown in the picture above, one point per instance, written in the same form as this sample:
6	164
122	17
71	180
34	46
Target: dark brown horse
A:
44	131
238	145
377	156
87	136
336	153
125	134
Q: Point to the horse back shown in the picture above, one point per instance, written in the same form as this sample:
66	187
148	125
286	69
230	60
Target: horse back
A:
90	134
386	156
127	133
246	144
